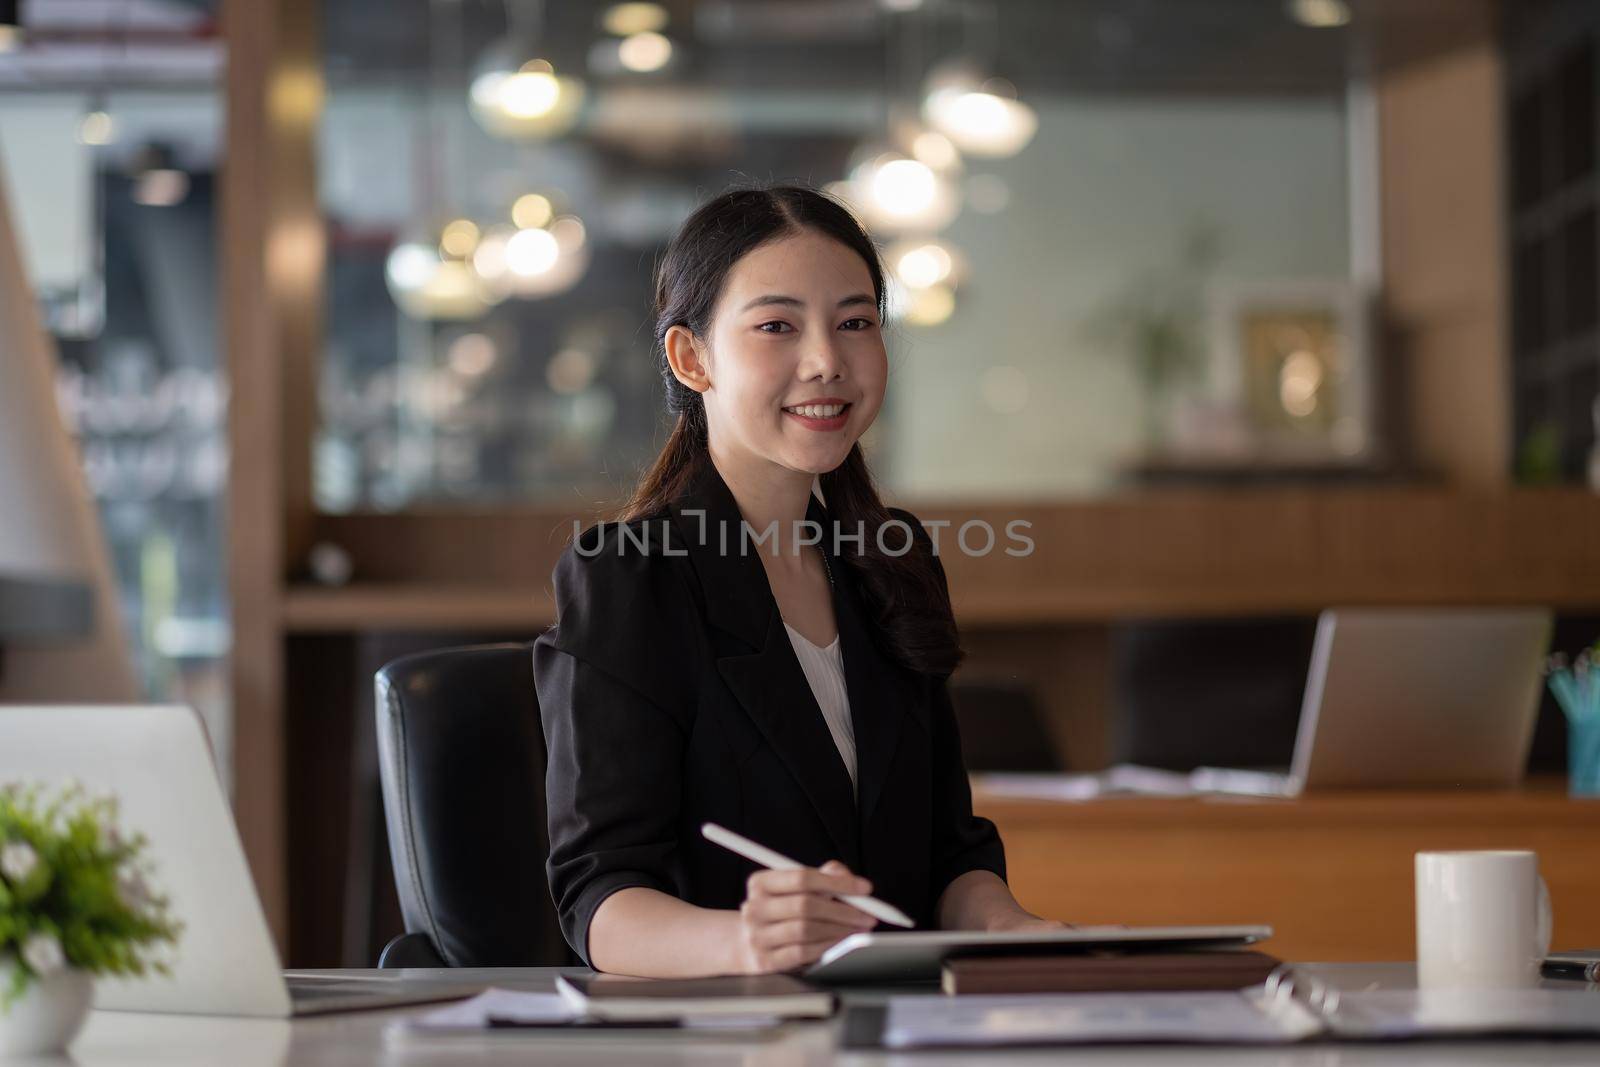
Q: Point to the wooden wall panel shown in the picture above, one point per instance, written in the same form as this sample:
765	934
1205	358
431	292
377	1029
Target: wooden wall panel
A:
1445	298
1165	553
272	268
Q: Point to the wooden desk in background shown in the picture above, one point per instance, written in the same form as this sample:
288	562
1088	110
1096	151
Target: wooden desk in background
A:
1331	872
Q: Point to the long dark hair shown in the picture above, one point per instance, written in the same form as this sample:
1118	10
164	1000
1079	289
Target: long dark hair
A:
904	593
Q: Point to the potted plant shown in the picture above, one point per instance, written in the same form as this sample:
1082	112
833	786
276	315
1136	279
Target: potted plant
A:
75	902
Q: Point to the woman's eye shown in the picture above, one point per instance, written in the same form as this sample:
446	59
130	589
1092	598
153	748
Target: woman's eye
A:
866	324
764	325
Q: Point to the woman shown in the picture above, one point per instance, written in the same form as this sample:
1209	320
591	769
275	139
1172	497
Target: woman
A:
715	660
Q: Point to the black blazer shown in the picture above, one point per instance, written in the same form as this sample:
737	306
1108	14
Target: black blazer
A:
671	696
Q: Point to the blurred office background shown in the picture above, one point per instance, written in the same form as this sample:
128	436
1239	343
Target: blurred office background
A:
1251	307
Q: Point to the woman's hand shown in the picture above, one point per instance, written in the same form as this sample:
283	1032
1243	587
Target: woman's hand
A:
789	918
1024	922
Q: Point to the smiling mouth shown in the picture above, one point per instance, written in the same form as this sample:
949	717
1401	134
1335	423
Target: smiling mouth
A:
820	416
818	411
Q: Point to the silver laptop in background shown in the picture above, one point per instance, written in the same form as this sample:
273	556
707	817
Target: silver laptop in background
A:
1408	697
157	762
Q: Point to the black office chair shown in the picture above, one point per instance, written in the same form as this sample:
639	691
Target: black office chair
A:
1003	728
461	757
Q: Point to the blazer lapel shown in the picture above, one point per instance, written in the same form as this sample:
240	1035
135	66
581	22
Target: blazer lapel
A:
879	693
768	682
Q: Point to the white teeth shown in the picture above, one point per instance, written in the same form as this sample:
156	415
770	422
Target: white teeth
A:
817	411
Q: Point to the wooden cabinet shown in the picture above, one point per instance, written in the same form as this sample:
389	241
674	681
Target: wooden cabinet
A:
1331	872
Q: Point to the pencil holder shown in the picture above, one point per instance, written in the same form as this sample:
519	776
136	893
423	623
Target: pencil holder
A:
1583	758
1577	690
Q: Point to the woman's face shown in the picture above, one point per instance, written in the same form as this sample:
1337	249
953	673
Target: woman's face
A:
796	325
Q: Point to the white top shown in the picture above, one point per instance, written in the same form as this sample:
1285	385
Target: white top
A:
824	669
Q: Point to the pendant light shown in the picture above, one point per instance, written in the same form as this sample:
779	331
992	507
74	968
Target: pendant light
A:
516	92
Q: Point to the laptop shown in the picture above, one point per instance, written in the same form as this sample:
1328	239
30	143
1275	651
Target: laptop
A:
1405	697
157	762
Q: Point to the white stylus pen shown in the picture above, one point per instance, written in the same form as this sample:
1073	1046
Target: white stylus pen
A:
777	861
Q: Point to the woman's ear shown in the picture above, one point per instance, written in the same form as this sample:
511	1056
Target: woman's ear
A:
686	357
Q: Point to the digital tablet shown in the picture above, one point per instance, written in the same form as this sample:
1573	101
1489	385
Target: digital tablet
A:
915	955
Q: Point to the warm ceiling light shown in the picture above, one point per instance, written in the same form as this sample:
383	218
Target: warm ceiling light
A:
924	265
903	187
529	93
472	355
643	53
907	192
983	117
627	19
425	286
459	238
96	128
514	96
538	262
531	210
531	252
897	194
489	258
936	150
436	280
410	265
1320	14
917	263
930	306
569	233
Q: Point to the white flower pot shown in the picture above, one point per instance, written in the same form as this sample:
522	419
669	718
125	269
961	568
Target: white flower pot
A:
48	1016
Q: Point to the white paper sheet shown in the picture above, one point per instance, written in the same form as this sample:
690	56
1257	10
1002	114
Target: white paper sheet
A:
1398	1013
507	1006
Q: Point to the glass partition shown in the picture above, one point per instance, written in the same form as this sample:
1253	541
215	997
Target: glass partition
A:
110	136
1120	233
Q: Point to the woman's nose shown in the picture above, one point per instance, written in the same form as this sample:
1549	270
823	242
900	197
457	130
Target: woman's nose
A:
824	357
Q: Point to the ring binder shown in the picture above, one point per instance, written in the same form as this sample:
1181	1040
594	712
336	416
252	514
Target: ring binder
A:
1279	984
1285	985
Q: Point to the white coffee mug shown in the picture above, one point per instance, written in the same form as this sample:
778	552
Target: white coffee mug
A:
1483	920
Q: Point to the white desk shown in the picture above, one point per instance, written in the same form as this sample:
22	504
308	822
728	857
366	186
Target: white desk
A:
115	1039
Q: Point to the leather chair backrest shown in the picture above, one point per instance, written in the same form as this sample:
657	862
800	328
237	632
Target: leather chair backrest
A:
462	761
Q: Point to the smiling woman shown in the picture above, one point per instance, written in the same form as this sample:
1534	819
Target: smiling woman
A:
801	702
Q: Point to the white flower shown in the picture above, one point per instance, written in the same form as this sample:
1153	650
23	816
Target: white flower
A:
18	860
42	953
133	889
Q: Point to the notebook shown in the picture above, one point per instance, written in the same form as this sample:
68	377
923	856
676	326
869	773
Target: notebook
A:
1164	972
1286	1009
617	998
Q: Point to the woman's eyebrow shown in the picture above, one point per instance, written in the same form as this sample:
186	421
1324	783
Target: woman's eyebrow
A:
790	301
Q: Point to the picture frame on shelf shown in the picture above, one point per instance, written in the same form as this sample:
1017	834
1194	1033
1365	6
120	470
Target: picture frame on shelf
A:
1291	360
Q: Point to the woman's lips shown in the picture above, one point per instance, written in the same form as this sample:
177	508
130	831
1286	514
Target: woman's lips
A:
835	423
